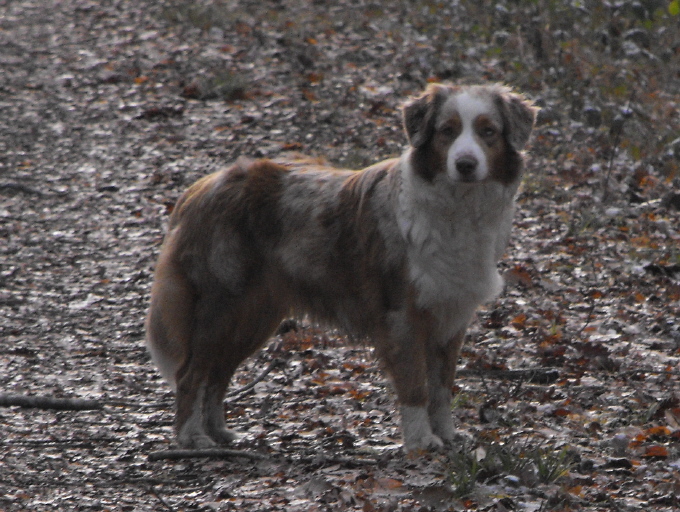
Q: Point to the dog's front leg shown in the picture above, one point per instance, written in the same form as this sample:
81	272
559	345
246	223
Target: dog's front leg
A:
441	365
415	425
405	356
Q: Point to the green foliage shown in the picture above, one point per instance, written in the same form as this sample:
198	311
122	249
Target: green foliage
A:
522	463
465	472
227	85
551	465
459	401
674	8
193	14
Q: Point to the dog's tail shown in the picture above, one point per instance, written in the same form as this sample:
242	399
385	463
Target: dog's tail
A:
170	318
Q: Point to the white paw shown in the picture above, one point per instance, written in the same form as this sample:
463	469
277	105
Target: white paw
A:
192	435
223	436
195	441
428	443
442	424
418	435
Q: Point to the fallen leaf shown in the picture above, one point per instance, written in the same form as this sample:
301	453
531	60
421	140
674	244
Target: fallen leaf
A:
655	450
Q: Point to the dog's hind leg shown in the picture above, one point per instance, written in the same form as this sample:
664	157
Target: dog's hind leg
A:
200	400
205	372
191	393
245	328
213	404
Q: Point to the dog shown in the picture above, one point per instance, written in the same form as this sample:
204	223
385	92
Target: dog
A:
401	253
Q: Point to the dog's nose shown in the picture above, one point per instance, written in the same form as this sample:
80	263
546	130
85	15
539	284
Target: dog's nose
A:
466	166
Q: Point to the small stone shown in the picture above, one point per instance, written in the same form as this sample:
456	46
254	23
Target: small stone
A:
592	116
638	36
630	49
512	481
674	148
500	38
619	444
671	201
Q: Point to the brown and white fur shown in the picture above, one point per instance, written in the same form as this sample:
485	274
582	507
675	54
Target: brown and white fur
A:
402	252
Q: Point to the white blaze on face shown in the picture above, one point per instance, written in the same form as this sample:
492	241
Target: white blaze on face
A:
467	159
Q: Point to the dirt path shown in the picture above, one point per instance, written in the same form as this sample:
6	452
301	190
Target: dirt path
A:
109	109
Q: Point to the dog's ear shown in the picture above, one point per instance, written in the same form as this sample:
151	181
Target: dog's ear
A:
420	115
519	115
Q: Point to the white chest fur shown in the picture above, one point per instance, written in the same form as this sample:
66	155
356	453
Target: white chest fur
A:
455	235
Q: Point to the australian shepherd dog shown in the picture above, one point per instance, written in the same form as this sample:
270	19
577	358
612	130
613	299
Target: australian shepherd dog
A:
400	253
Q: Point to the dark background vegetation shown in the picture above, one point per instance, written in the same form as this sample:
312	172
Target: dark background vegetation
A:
110	109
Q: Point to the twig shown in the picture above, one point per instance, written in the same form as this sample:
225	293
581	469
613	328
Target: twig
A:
238	393
204	453
158	497
48	402
482	376
591	310
334	459
533	375
20	188
649	371
515	392
161	404
616	131
77	404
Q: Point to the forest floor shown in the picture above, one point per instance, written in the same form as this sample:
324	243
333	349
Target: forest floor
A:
110	109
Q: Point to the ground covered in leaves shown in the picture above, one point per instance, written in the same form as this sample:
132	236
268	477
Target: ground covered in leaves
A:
111	108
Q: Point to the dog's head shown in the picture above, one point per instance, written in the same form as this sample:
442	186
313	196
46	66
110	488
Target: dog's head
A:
468	133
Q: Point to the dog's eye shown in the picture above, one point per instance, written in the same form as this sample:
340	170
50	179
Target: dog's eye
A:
447	131
488	132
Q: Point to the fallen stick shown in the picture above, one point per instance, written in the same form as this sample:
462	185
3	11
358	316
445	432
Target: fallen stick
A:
48	402
158	497
20	188
204	453
534	375
332	459
237	394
